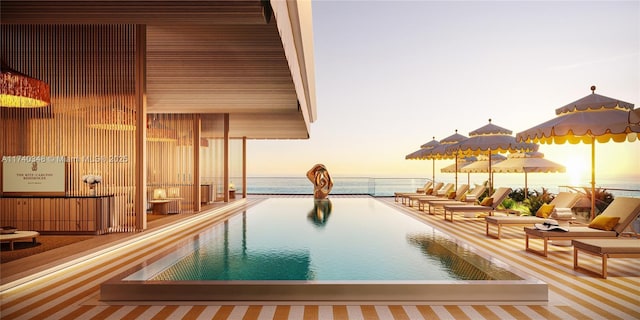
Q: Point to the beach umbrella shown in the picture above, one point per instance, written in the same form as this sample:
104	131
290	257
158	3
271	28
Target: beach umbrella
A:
482	164
455	167
490	139
526	162
587	120
419	154
440	152
634	121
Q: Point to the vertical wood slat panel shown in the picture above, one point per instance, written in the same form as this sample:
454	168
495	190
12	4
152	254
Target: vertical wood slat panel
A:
90	71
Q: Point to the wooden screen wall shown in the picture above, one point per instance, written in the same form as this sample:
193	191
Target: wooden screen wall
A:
212	156
91	119
170	157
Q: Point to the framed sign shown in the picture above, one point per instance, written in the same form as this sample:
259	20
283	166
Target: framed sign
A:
34	175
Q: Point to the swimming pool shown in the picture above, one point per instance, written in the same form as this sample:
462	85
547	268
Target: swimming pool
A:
306	249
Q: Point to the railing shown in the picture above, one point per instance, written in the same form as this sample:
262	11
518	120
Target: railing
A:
376	187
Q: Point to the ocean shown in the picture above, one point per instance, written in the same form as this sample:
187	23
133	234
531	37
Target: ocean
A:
386	187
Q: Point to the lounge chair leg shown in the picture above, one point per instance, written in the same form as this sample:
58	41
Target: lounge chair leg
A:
546	245
499	230
575	258
604	265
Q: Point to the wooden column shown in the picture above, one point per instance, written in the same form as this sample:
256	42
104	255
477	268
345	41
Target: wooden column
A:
244	167
226	158
197	126
141	129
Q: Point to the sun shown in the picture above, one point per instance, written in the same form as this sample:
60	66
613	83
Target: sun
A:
577	169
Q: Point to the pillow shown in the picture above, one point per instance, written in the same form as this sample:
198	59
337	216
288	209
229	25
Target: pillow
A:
545	210
464	197
604	223
487	202
429	191
452	195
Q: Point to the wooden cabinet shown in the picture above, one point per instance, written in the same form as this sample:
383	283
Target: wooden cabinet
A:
206	193
62	215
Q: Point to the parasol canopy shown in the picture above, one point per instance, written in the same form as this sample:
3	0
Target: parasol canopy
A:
527	162
440	152
490	139
587	120
482	164
455	167
419	154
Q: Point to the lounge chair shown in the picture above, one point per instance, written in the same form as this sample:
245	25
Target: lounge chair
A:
564	201
497	197
423	190
432	191
442	193
459	194
420	191
469	199
626	209
605	249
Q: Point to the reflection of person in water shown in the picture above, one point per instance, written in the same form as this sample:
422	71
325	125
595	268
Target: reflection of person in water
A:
322	182
321	211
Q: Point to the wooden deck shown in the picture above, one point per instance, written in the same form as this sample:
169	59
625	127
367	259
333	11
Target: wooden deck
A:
72	292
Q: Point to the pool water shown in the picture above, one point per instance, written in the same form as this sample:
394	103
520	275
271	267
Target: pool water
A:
336	239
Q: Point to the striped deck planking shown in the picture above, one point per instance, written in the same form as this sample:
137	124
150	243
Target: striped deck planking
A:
73	294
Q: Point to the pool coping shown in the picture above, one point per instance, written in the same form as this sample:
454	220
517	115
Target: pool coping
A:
528	290
479	291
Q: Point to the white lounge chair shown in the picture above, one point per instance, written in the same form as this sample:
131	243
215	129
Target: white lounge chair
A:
625	209
497	197
459	194
401	195
469	199
563	201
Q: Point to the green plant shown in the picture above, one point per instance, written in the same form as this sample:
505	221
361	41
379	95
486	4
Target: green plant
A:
518	194
537	199
603	198
508	203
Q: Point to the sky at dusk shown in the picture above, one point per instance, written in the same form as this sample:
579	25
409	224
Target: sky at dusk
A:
391	75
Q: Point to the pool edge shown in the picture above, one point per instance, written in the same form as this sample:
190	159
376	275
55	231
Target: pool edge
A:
514	291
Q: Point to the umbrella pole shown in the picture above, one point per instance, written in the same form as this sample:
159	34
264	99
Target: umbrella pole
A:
456	171
433	170
593	178
490	173
526	192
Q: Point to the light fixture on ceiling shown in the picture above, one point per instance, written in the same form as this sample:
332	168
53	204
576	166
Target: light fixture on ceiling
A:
117	117
156	132
18	90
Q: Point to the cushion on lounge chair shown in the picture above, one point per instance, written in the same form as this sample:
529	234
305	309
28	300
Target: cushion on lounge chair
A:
545	210
487	202
574	232
513	219
627	208
604	223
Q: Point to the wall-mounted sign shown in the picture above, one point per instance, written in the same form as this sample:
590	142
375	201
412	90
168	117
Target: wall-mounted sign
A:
38	175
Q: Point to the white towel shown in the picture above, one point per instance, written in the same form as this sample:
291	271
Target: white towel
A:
562	213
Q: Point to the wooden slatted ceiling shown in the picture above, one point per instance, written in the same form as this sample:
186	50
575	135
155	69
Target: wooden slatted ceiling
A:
159	12
268	126
202	57
212	69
